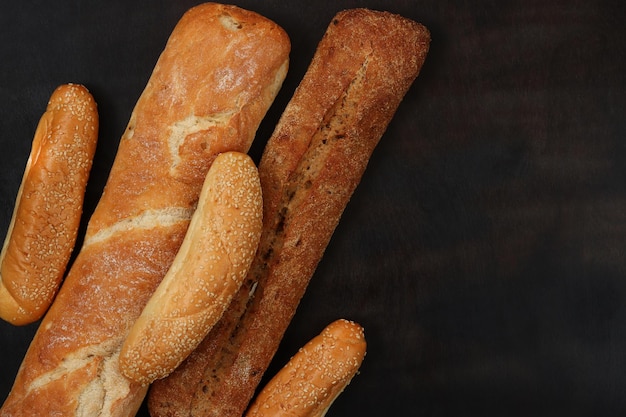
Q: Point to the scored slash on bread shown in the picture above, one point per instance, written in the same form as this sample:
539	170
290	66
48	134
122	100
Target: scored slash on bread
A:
49	205
208	270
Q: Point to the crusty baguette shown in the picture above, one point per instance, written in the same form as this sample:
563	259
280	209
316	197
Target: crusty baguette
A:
209	268
49	205
315	376
213	83
310	167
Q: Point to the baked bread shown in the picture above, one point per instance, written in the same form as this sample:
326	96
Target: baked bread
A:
211	86
315	376
309	169
49	205
209	268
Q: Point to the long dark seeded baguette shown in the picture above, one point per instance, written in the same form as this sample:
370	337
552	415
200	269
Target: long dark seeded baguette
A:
212	85
310	167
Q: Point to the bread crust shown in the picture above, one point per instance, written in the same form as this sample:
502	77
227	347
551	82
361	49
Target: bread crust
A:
217	76
49	205
310	167
315	376
209	268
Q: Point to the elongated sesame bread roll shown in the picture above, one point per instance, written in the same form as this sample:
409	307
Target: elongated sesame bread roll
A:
209	268
213	83
315	376
49	205
310	167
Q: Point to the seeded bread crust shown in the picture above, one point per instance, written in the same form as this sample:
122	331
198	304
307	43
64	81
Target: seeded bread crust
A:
208	270
315	376
310	167
49	205
213	83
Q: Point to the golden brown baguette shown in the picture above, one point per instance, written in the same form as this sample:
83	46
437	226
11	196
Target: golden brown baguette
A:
213	83
49	205
310	167
209	268
315	376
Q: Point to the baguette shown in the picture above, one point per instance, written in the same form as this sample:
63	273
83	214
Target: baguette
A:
315	376
49	205
213	83
208	270
309	169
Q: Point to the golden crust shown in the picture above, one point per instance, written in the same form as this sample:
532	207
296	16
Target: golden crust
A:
208	270
49	205
183	119
315	376
311	165
73	362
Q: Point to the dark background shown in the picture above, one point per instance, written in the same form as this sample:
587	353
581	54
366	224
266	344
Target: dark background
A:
483	252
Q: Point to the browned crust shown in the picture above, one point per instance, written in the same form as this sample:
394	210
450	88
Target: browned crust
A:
311	165
315	376
213	83
49	205
209	268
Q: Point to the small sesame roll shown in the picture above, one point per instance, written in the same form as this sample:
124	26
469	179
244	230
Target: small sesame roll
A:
315	376
206	273
48	208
